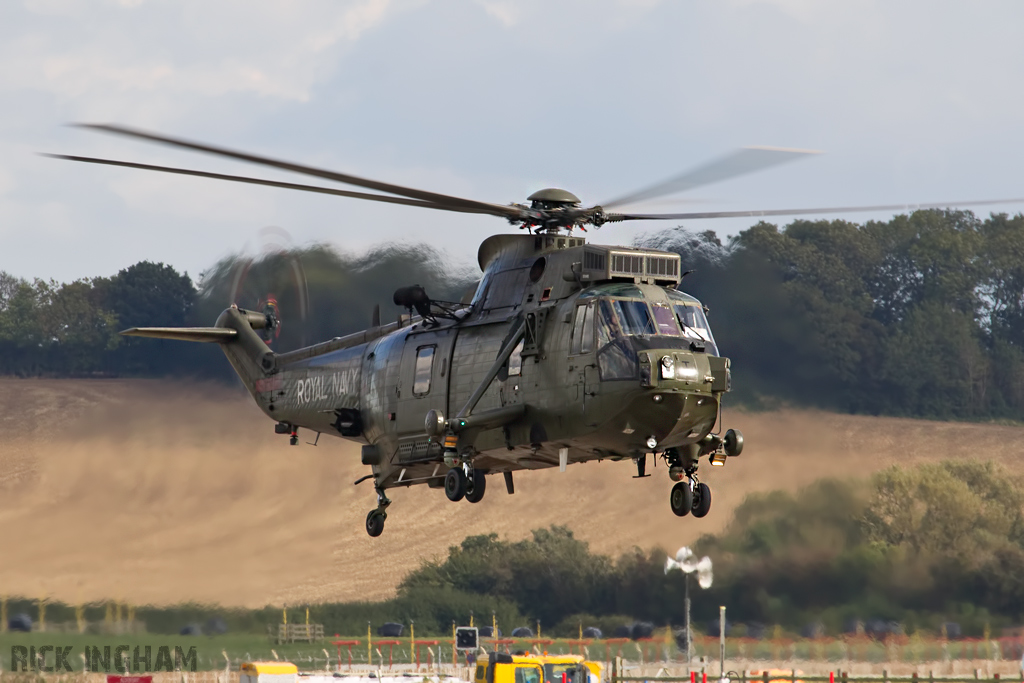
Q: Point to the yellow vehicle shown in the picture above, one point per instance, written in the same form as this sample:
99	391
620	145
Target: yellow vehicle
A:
498	667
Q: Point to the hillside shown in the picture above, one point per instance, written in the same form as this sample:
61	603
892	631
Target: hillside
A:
154	492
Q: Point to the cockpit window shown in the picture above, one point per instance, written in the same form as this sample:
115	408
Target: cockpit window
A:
634	317
693	322
665	320
583	329
607	325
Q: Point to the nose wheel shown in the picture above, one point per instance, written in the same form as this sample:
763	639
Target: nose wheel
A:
681	499
701	500
690	496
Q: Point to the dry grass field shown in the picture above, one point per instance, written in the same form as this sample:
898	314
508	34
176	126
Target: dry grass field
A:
162	492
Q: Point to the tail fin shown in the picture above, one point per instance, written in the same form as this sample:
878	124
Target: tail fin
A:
235	333
196	334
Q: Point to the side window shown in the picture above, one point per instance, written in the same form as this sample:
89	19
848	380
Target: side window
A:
577	331
583	330
527	674
607	325
424	369
587	344
515	361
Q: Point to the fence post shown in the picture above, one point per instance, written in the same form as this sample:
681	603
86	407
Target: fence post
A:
885	675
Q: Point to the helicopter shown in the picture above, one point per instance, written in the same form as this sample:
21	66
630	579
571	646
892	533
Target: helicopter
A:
566	352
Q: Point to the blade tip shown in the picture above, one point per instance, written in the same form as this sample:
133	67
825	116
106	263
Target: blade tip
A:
95	126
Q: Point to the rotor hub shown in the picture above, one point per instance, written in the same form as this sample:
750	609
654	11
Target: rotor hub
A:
552	198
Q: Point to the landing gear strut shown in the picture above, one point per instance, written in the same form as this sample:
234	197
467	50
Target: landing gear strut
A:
688	495
375	518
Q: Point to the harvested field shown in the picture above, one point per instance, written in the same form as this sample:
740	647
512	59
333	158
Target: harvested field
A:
165	492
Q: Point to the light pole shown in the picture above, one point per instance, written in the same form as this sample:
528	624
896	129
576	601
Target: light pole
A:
688	563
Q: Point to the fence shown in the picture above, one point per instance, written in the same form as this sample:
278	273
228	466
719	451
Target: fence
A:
906	649
295	633
794	676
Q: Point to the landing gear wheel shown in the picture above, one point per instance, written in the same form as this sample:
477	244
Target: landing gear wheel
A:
681	499
733	442
701	500
455	484
375	522
475	487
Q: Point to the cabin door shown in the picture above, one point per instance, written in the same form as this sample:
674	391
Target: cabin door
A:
582	356
423	381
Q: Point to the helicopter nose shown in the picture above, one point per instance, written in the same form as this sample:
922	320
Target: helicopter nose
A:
675	370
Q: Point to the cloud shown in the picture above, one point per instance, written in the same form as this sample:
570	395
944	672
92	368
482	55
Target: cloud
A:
277	50
508	13
491	99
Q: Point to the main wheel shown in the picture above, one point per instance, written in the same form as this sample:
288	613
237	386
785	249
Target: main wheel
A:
455	484
475	487
681	499
701	500
375	522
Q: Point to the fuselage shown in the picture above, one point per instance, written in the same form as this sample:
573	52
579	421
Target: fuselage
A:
612	369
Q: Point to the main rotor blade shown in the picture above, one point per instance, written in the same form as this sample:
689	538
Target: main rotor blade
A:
423	195
740	162
614	217
261	181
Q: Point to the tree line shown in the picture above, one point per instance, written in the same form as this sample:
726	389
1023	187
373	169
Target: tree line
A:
921	547
814	562
921	315
71	329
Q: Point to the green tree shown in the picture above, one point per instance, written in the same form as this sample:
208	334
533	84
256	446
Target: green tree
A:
149	294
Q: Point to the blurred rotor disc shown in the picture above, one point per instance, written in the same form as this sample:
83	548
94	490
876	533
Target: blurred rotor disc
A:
274	275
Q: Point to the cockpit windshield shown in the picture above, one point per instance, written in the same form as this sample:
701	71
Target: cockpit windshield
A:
638	318
694	324
665	319
634	317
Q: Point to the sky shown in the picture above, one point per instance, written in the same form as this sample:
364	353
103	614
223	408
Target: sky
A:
911	101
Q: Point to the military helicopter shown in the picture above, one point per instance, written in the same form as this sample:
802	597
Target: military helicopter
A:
567	352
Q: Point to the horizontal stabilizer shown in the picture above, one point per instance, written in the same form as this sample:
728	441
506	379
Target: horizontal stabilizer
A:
196	334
